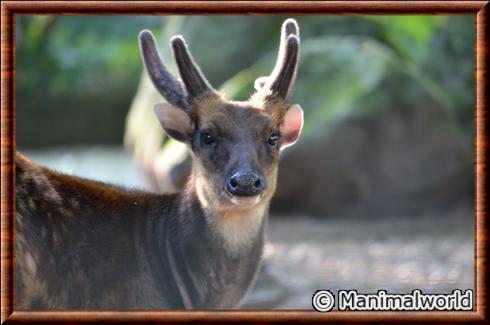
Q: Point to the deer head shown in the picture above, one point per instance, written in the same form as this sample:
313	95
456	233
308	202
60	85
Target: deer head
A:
235	144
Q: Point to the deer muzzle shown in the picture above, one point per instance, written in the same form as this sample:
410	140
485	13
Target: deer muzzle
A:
245	184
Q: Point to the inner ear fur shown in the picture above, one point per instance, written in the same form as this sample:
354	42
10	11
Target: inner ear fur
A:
176	122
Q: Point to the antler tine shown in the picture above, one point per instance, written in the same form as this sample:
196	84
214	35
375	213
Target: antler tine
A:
166	84
281	84
194	80
283	75
289	27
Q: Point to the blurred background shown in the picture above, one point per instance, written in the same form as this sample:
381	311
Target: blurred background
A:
378	192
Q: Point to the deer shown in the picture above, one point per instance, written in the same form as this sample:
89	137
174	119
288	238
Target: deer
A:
84	244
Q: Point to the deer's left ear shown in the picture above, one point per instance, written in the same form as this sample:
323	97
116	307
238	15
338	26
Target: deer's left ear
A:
176	123
291	126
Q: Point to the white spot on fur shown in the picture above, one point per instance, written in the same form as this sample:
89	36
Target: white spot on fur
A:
31	203
30	263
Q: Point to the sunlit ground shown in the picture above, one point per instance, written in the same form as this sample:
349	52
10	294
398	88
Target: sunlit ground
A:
396	254
399	253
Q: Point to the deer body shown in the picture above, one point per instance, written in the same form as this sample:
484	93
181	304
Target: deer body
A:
84	244
135	250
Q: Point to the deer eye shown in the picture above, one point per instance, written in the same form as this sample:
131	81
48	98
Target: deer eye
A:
207	139
273	138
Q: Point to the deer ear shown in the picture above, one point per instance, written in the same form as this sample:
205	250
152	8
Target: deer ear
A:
291	126
176	123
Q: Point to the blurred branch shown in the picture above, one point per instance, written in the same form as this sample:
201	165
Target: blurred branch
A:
38	30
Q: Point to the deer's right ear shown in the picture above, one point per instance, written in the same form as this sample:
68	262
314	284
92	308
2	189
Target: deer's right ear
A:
291	126
176	122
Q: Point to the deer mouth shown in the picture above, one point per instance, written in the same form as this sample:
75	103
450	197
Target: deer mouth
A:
243	201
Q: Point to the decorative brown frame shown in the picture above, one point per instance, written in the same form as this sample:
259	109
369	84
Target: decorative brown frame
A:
11	8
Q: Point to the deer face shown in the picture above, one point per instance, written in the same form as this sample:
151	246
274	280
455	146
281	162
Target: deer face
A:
236	148
235	145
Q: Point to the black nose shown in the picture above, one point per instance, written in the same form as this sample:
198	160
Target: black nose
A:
245	184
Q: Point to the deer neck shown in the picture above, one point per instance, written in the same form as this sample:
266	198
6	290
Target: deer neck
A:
236	228
211	255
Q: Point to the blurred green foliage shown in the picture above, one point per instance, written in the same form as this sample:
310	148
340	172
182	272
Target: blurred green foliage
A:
76	76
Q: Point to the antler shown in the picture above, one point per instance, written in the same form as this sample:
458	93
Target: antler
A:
164	81
195	83
278	84
281	80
